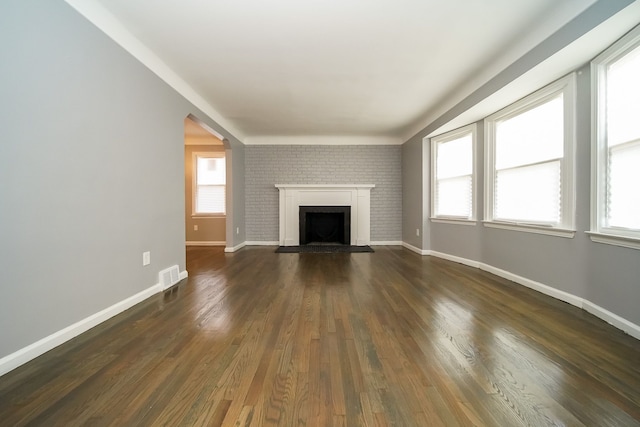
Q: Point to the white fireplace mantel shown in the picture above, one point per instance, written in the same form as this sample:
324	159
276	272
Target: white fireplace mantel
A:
292	196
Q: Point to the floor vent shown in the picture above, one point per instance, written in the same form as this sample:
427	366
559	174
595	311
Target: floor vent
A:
169	276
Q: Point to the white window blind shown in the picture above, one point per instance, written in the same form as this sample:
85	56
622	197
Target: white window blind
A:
528	160
453	176
624	186
210	182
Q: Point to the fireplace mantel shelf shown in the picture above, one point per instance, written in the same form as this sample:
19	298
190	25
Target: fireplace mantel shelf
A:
357	196
321	186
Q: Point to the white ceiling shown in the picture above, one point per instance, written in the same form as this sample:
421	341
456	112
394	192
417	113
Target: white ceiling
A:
377	69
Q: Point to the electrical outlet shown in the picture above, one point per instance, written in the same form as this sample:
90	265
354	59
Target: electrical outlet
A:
417	232
195	227
146	258
237	230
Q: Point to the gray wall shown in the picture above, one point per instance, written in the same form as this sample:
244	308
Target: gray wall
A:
236	228
414	216
554	261
91	172
324	164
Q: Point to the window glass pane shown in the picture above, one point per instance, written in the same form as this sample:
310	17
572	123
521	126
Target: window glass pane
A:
623	99
529	193
455	157
534	136
210	175
454	197
210	199
211	170
624	180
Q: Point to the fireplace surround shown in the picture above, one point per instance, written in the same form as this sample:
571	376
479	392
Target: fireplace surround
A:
356	196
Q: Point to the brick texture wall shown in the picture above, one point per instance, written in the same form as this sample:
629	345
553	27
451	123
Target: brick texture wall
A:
266	166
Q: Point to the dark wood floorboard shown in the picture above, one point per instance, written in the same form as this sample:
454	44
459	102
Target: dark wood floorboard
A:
390	338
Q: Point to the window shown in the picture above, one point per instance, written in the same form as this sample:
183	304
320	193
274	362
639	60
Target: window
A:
616	172
453	174
529	162
209	178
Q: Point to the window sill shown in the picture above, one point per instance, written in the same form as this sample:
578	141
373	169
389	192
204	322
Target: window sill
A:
452	220
612	239
207	216
537	229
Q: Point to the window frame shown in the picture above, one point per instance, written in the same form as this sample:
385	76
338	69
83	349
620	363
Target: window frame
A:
566	226
600	233
194	183
471	129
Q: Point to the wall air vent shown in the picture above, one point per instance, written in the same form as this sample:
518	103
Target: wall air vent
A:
169	276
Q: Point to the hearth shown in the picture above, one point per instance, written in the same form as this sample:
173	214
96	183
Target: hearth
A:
325	225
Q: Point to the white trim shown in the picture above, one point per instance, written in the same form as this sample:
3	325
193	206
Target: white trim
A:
567	87
183	275
598	170
472	130
599	145
194	184
235	248
325	186
532	284
612	239
386	243
602	313
99	16
416	249
30	352
548	231
323	140
613	319
454	258
262	243
445	220
209	243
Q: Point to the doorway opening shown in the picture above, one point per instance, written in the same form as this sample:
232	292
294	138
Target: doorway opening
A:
205	173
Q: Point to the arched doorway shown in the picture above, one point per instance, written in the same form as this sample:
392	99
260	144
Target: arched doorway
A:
206	185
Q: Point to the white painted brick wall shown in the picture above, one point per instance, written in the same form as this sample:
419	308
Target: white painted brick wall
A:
266	166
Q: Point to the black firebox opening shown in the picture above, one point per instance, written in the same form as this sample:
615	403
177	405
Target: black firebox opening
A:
325	224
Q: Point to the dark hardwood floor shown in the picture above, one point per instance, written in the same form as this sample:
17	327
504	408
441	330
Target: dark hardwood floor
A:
256	338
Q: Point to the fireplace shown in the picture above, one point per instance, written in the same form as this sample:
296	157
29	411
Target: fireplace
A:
325	225
355	196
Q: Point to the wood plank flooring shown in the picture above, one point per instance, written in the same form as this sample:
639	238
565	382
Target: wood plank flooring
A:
390	338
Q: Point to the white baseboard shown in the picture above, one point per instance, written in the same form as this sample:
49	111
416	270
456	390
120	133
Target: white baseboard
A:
183	275
415	249
537	286
604	314
196	243
386	243
457	259
235	248
30	352
613	319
